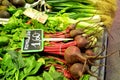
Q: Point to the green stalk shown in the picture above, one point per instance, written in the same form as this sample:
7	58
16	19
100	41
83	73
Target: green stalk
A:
88	24
82	1
63	1
91	11
73	7
102	20
70	3
79	15
106	6
93	19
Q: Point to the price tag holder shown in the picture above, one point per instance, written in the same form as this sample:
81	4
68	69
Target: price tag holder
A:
33	42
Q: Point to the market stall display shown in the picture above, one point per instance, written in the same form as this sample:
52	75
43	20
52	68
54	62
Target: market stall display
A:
54	39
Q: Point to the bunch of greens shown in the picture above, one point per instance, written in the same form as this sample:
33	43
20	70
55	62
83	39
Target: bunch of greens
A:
52	74
14	66
15	28
84	9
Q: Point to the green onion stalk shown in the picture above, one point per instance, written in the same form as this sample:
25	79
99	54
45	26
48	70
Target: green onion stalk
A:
106	6
103	20
79	9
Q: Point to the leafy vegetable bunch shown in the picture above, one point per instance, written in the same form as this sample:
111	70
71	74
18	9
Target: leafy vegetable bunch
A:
16	67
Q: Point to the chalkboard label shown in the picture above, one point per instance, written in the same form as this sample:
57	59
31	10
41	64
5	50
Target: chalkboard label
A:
33	42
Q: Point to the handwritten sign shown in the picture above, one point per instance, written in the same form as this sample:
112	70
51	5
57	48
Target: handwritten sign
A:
33	42
34	14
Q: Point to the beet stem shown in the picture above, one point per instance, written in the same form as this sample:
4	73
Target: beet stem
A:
84	66
95	64
95	57
82	58
99	57
92	74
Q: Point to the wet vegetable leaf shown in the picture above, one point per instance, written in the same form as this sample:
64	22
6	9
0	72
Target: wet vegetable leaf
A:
55	74
47	76
34	78
31	68
17	59
85	77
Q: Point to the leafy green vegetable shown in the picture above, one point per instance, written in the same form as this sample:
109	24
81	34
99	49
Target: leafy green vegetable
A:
17	59
85	77
1	71
47	76
14	29
57	23
14	22
52	74
55	75
8	68
15	67
31	68
34	78
4	41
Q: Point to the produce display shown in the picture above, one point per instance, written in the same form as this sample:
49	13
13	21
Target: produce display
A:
66	36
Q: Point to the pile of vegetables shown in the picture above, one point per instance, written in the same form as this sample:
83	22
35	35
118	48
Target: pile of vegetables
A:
82	20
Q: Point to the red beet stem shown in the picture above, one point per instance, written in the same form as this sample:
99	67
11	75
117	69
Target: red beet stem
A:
55	49
64	45
57	53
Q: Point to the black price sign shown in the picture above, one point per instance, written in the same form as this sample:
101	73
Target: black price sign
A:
33	42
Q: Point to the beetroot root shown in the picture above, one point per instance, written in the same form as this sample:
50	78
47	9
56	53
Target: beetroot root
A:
79	61
89	52
73	55
77	70
76	32
81	41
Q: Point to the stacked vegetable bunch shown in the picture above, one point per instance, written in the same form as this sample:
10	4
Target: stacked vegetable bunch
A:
84	21
87	19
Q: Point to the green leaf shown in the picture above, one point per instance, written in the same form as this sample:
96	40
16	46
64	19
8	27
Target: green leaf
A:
55	75
36	68
7	62
85	77
17	59
18	13
31	68
8	67
42	60
52	69
30	64
12	9
34	78
1	71
47	76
